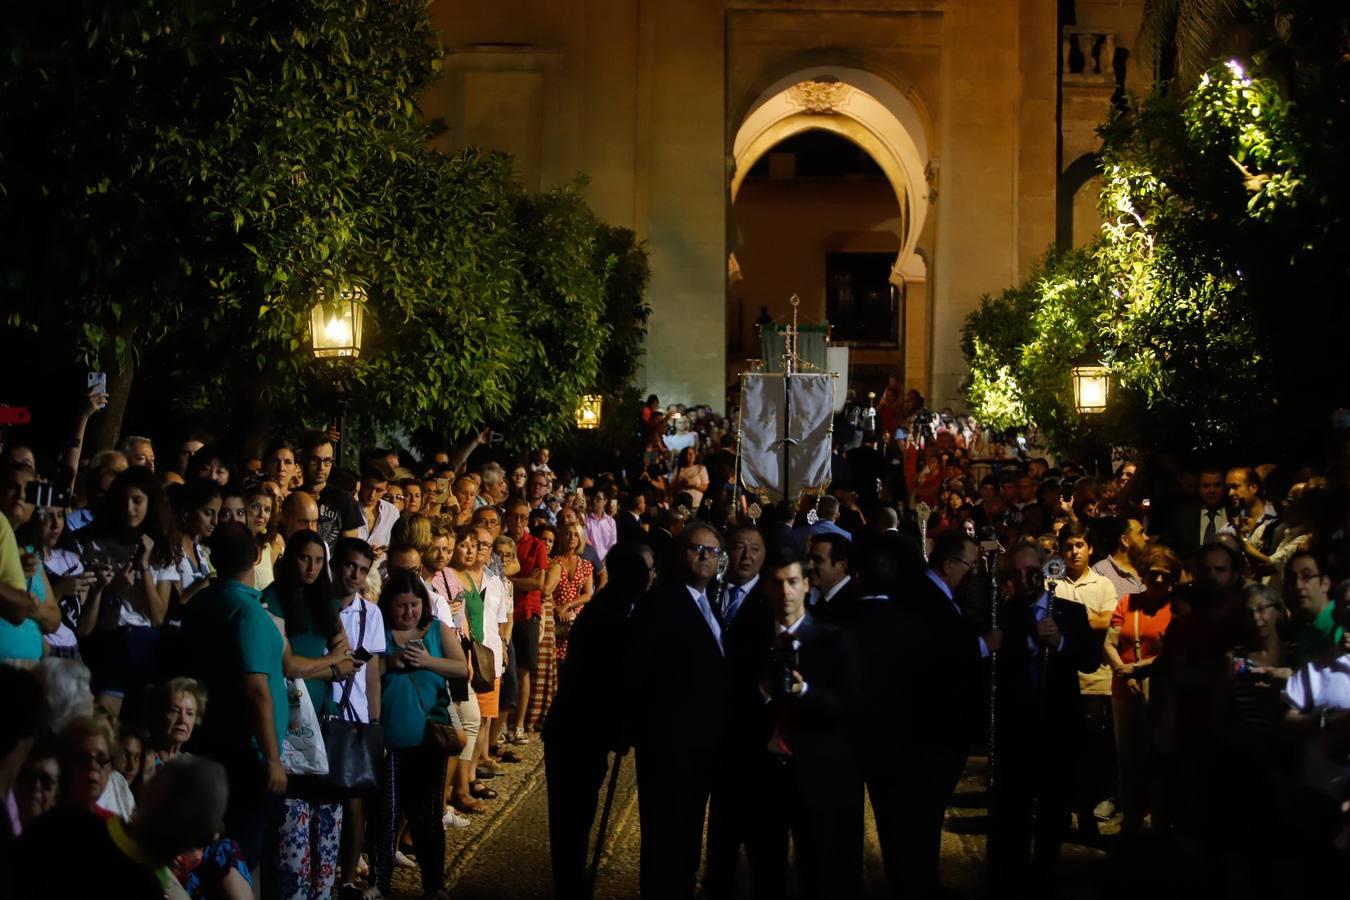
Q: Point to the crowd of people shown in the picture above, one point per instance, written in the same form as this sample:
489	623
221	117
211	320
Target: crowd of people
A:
277	676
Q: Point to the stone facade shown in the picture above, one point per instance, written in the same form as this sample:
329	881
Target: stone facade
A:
665	105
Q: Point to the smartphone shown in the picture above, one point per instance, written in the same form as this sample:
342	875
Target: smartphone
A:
99	380
417	643
361	655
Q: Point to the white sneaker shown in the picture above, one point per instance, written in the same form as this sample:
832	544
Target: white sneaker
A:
401	861
452	819
519	737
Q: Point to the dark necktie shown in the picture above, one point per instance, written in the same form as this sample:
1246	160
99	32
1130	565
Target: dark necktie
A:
1210	530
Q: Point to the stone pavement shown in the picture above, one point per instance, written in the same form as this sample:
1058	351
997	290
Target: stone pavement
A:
503	855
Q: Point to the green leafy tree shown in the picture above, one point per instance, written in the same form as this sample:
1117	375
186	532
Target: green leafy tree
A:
1220	274
185	179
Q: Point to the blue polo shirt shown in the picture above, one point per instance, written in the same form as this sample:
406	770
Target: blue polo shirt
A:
227	635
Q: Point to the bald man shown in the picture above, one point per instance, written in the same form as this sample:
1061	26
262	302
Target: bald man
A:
299	511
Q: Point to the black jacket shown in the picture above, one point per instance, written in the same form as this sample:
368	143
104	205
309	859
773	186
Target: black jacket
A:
674	679
816	725
1036	691
935	667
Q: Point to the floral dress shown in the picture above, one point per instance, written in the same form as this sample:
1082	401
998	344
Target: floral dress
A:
568	589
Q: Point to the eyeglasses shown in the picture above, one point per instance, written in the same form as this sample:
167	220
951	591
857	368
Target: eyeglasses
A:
1260	608
102	760
324	461
41	780
700	549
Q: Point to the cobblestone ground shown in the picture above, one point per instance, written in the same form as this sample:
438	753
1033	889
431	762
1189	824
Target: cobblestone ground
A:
503	855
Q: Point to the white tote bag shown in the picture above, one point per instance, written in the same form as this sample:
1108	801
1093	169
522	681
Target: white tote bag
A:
302	750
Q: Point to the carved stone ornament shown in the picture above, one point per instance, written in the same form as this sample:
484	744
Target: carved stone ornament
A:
819	97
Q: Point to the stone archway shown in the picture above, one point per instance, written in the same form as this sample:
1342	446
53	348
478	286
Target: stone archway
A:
893	129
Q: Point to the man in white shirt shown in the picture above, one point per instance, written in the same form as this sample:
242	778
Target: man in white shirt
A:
364	626
378	515
1096	756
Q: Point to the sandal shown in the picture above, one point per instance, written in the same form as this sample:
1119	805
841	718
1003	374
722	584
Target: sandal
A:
481	791
468	805
510	756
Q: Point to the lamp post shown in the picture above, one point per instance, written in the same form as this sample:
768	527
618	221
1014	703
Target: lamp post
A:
589	412
335	328
1091	395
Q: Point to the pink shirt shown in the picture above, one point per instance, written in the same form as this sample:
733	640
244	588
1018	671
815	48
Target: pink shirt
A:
602	533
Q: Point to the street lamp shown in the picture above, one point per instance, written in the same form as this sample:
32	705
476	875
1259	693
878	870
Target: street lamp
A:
588	412
335	337
335	326
1091	387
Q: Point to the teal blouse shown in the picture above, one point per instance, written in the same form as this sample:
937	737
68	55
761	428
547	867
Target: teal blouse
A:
412	697
308	643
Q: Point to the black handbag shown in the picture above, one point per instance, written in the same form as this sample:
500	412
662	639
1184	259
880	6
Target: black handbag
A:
354	748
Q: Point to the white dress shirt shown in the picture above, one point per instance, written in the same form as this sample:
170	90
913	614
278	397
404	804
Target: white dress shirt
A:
373	641
705	610
817	599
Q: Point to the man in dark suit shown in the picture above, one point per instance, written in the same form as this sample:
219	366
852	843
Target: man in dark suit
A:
1038	717
866	465
675	681
922	675
887	538
834	593
1198	522
794	690
628	523
740	594
665	525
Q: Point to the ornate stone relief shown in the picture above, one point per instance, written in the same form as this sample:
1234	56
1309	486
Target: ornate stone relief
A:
820	96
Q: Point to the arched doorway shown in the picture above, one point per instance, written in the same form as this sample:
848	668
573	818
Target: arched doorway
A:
834	114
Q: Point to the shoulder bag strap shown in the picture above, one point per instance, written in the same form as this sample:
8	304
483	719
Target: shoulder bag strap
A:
345	705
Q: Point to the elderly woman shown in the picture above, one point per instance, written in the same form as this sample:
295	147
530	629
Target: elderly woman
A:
35	787
1133	641
87	755
173	710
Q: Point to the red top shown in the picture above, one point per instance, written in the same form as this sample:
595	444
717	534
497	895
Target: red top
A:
1137	623
533	556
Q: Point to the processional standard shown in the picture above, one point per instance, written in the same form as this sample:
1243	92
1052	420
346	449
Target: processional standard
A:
786	427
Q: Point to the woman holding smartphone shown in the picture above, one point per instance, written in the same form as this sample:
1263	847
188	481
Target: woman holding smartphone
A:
422	653
133	535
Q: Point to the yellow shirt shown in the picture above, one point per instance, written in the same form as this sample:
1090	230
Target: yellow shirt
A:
11	565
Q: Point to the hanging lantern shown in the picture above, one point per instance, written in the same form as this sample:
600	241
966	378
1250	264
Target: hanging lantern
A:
1091	388
335	328
588	412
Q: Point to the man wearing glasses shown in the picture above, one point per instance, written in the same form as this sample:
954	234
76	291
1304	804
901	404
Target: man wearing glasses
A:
676	666
339	513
